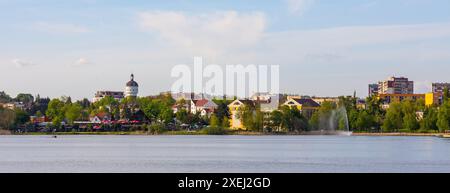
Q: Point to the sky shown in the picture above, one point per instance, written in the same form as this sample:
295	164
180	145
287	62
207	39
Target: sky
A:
323	47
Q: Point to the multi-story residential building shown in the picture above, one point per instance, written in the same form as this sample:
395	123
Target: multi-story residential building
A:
102	94
391	98
373	89
440	87
396	85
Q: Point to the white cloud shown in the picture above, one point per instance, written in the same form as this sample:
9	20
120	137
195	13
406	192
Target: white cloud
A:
22	63
208	34
60	28
360	35
299	6
81	61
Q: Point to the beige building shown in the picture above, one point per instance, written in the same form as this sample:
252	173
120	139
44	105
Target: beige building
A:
396	85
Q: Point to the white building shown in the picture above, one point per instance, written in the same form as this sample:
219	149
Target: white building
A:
102	94
132	88
204	107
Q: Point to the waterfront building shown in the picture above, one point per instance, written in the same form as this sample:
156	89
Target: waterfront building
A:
204	107
14	105
396	85
102	94
391	98
132	88
235	108
439	87
321	100
306	106
267	102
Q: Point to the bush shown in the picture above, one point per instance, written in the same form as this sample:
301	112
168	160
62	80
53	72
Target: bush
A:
157	128
214	131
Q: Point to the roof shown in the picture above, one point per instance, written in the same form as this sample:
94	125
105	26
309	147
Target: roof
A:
200	103
245	102
307	102
132	83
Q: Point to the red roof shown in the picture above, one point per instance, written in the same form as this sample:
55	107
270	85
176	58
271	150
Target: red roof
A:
201	103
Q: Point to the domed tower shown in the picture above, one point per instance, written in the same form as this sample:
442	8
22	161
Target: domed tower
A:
132	88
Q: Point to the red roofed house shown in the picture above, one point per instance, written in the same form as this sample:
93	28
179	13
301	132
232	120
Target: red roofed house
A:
204	107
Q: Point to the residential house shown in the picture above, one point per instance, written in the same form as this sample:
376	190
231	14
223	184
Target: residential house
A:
235	108
306	106
204	107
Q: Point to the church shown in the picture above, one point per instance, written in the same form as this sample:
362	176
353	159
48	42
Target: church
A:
131	90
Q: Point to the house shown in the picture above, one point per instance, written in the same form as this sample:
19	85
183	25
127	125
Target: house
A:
235	107
14	105
100	118
305	105
266	101
204	107
178	107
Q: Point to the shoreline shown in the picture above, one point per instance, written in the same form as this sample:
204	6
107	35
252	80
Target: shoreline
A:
446	135
232	133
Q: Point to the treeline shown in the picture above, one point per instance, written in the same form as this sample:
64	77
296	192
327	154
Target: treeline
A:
155	115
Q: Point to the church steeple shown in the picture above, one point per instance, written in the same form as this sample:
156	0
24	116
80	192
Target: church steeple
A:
132	76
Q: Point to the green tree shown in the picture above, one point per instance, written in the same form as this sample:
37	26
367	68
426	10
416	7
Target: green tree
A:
443	122
225	122
4	98
430	120
21	117
73	112
276	120
394	118
365	121
7	118
446	93
55	111
410	122
24	98
182	116
222	110
214	121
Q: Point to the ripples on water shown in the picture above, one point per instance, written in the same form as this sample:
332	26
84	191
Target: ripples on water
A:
260	154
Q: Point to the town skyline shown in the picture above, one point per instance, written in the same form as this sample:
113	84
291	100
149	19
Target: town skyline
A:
324	48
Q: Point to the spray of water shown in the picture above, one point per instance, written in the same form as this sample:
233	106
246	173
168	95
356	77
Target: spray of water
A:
336	122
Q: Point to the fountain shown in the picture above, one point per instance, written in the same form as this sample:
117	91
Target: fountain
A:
335	123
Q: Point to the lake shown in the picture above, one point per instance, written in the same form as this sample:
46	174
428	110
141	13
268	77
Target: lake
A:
256	154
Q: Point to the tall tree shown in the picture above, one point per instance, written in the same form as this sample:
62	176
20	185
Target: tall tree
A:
443	121
7	118
394	118
73	112
55	111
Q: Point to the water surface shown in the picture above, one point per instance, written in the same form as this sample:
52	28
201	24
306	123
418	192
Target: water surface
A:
260	154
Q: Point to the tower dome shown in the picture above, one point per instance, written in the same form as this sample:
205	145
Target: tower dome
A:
132	88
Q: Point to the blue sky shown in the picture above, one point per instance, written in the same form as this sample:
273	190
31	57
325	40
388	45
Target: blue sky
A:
323	47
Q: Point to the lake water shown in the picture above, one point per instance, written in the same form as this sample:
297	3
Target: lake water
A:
256	154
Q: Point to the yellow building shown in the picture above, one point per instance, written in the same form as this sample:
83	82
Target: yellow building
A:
235	108
433	99
391	98
306	106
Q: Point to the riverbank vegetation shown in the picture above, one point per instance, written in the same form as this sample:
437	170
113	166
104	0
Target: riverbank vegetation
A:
154	116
